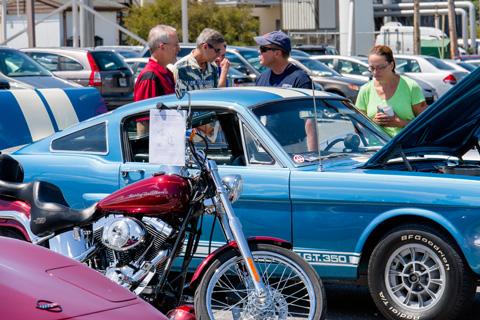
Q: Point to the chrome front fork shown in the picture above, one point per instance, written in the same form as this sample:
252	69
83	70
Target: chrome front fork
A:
233	231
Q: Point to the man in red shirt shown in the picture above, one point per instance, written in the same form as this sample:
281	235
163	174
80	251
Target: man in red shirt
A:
155	79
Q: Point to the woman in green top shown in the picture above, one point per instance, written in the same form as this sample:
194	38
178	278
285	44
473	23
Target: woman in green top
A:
390	100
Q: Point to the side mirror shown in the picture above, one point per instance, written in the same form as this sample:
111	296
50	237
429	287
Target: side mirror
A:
4	84
367	74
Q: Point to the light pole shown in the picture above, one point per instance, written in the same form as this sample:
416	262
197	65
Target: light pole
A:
185	21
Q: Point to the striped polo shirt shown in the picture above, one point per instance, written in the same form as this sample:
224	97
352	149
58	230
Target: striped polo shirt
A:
187	71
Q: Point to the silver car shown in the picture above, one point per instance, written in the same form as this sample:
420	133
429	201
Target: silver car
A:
101	69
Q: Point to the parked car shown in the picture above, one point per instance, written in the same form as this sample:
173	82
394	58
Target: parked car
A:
235	77
101	69
472	59
430	69
348	66
467	65
455	65
407	216
32	114
330	80
464	64
36	283
23	71
317	49
357	68
124	51
299	53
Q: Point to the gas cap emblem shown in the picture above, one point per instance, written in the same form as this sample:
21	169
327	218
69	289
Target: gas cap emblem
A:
48	306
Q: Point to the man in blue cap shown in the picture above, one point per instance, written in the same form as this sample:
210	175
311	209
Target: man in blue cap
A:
274	51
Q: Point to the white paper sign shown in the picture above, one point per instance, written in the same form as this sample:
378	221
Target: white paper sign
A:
167	137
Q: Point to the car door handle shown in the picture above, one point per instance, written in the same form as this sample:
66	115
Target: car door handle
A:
126	172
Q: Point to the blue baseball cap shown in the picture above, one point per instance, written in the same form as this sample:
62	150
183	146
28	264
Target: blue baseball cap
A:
277	38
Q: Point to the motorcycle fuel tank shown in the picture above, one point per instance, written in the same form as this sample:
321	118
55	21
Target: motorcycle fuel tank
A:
160	195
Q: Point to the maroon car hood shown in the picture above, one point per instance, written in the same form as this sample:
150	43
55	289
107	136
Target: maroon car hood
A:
30	273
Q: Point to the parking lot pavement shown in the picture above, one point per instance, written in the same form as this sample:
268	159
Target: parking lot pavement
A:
350	302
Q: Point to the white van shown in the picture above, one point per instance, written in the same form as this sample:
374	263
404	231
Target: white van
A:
433	41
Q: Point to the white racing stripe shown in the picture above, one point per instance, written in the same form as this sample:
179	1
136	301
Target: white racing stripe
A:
278	91
61	107
35	114
309	92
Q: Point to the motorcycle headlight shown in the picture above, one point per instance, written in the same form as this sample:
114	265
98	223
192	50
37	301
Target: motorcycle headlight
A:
234	185
122	234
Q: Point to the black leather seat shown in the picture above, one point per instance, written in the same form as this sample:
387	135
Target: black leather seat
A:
49	212
10	169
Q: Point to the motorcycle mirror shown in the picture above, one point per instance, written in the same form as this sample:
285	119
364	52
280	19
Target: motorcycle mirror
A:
180	90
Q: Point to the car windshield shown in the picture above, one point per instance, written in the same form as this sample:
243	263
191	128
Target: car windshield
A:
340	130
17	64
252	56
317	67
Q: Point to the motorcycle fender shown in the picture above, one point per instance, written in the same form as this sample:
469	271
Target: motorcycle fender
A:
15	215
12	224
203	267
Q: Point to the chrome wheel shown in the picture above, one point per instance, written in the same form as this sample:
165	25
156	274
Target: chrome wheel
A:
415	277
230	292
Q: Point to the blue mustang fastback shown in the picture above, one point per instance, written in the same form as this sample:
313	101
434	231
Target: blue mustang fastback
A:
403	213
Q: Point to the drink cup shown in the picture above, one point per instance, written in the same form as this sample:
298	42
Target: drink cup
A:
388	110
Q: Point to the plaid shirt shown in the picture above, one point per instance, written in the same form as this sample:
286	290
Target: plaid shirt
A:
187	71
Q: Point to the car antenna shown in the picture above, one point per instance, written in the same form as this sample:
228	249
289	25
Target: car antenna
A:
316	124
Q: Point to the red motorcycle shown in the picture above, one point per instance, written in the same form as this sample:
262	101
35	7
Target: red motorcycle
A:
134	235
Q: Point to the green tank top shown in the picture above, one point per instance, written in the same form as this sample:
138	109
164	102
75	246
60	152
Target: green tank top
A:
408	94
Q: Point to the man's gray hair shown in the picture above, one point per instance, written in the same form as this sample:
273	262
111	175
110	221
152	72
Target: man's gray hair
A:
209	36
159	34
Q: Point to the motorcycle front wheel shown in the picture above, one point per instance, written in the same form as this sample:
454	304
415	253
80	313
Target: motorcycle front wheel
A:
227	292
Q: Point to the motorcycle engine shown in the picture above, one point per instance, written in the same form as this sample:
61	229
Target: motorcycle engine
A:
134	249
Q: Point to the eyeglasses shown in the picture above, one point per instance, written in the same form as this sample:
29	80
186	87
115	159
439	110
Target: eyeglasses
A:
264	49
378	68
217	50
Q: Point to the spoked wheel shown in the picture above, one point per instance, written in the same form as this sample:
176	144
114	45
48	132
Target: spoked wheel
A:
294	288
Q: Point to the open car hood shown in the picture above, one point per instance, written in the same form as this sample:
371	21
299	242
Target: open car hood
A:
448	127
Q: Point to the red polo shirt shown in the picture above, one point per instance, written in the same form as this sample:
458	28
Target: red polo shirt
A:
153	81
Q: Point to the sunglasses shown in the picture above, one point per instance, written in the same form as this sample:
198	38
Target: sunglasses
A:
265	49
215	49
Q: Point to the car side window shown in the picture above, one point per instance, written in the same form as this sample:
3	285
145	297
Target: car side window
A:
219	128
358	68
67	64
255	151
48	60
407	65
345	67
92	140
328	62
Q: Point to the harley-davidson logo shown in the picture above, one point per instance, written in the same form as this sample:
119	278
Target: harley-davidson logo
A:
153	193
41	220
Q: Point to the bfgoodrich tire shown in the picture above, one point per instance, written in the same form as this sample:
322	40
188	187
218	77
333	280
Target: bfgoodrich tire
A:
226	291
416	273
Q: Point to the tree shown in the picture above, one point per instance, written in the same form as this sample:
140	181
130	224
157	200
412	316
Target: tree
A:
236	24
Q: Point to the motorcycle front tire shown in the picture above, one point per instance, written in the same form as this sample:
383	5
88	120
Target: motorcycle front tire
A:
293	284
